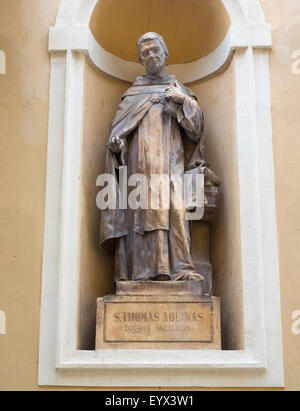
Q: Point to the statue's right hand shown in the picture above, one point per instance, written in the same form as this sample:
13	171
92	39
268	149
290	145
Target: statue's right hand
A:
115	144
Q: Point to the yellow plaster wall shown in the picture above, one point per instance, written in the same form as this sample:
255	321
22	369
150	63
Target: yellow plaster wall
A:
24	100
284	17
23	136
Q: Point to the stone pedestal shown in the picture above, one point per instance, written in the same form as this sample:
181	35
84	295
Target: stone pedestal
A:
158	315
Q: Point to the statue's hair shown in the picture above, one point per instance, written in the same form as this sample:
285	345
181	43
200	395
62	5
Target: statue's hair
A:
152	36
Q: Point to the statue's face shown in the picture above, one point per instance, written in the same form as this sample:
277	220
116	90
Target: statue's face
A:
153	56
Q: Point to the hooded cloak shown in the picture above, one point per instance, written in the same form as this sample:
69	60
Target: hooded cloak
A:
161	138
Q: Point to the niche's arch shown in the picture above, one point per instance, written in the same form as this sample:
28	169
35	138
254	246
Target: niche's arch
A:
247	28
60	360
78	12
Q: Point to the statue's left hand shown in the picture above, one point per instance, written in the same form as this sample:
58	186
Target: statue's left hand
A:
115	144
175	94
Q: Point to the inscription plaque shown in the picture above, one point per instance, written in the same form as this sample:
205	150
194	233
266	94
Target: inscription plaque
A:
157	319
158	322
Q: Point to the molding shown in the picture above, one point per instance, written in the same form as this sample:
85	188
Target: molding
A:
257	36
69	234
260	363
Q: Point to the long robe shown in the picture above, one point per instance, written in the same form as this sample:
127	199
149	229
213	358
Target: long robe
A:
161	138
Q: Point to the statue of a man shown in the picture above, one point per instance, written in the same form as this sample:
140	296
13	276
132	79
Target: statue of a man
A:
158	130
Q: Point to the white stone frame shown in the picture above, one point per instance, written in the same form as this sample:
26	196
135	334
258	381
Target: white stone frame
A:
260	363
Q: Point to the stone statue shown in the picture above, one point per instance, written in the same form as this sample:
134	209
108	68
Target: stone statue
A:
163	275
158	129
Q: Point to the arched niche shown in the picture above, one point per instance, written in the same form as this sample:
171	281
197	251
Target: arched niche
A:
216	97
248	278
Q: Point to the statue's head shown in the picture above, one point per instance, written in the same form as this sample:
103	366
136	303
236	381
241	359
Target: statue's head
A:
153	52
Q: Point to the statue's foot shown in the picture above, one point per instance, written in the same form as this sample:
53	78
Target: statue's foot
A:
192	277
162	277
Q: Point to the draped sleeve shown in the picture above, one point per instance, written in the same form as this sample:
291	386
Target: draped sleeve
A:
189	116
129	114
